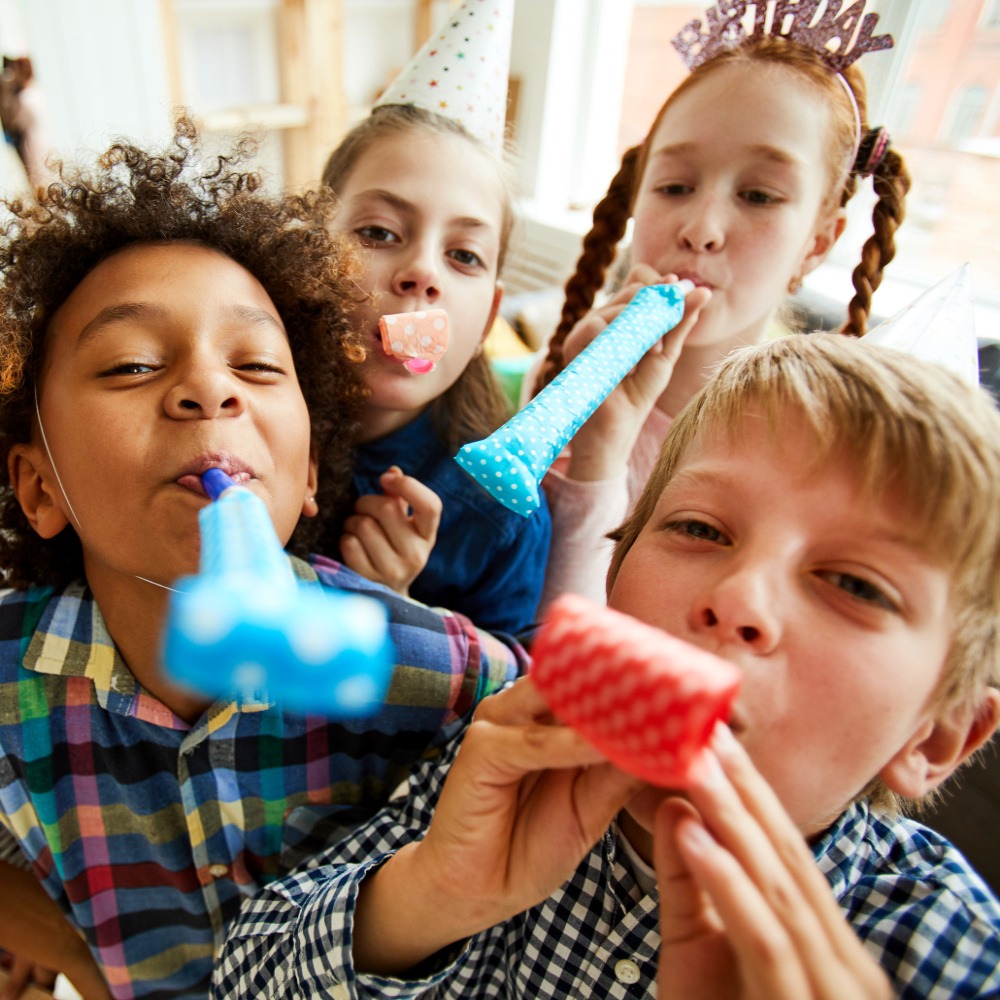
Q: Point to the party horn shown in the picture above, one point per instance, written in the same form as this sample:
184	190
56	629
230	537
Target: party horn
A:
510	463
245	628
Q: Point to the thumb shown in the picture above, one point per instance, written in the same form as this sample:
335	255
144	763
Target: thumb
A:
682	903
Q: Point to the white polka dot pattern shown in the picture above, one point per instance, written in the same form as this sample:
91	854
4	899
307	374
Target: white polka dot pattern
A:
510	463
647	700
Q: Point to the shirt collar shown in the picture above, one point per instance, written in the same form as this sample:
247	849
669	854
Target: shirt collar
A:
417	440
72	640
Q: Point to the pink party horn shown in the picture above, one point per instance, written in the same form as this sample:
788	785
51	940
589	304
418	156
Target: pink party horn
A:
417	339
510	463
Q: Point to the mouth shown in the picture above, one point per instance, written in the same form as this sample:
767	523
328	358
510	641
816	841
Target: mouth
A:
190	477
696	279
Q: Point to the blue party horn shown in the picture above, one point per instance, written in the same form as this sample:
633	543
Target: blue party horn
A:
511	462
246	628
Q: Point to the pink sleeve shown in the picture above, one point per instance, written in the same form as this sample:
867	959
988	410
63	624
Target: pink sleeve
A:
582	514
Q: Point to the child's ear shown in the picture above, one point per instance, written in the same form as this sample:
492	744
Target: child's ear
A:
940	746
494	309
824	238
38	495
309	506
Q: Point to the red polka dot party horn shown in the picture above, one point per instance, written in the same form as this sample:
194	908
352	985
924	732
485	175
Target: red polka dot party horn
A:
647	700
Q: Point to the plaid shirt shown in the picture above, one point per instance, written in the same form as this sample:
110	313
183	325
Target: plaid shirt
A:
925	915
149	832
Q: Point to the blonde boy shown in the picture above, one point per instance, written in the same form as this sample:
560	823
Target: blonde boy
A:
825	515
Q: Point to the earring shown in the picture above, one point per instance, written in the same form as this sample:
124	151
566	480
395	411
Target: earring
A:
794	284
311	499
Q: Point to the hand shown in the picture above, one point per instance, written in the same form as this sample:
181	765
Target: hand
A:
22	974
389	537
37	932
744	910
601	447
524	801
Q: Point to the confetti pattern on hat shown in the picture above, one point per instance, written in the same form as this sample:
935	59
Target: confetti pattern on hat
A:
647	700
461	72
510	462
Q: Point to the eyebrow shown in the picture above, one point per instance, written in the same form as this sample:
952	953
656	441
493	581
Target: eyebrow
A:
124	312
409	208
763	150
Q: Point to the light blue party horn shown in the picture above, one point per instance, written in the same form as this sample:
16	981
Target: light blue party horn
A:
245	628
510	463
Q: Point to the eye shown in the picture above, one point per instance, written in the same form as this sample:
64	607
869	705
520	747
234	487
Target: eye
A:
263	370
674	190
466	257
127	368
693	528
860	589
371	236
755	197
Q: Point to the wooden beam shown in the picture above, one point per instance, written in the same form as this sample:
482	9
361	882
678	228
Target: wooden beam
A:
310	40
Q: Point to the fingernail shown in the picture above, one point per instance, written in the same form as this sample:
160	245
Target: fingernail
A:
723	741
696	836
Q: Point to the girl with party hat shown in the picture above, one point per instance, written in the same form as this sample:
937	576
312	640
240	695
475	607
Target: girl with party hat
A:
740	187
424	188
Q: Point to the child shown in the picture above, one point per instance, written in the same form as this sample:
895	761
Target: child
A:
430	198
825	516
160	318
740	186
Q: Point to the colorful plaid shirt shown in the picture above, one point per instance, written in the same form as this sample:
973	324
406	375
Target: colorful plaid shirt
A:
149	832
912	898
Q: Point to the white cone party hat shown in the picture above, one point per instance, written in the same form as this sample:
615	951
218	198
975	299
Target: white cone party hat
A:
461	72
938	326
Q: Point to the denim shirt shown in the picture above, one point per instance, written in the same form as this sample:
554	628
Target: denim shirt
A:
489	562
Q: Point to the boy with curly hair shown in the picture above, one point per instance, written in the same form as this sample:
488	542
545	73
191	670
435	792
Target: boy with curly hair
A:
160	317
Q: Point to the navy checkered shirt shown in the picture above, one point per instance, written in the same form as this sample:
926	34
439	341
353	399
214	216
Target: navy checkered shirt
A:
922	911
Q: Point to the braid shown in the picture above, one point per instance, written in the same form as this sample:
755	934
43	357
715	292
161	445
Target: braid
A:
891	181
610	218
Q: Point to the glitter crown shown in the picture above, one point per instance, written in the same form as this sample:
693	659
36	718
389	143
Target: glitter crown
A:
838	33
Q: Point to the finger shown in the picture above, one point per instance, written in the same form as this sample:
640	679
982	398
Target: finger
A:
520	702
354	556
748	820
424	503
18	979
769	962
684	907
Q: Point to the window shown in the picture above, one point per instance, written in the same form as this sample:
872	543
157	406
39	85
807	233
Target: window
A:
951	144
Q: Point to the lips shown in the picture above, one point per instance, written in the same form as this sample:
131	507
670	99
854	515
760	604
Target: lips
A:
236	469
696	279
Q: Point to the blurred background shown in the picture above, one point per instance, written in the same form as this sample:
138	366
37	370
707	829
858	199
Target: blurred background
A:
587	77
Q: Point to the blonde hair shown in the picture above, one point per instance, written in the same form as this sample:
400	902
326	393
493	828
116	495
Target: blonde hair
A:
905	424
475	405
890	180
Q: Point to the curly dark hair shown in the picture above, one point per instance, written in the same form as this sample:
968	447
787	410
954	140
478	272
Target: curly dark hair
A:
134	197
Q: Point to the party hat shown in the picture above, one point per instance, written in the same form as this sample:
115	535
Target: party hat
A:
938	326
461	72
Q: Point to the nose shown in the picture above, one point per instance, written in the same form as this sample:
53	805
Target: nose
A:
703	230
205	392
740	607
418	274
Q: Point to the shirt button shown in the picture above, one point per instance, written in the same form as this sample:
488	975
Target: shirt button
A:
626	971
218	871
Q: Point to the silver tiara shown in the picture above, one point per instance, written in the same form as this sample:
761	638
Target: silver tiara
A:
816	24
